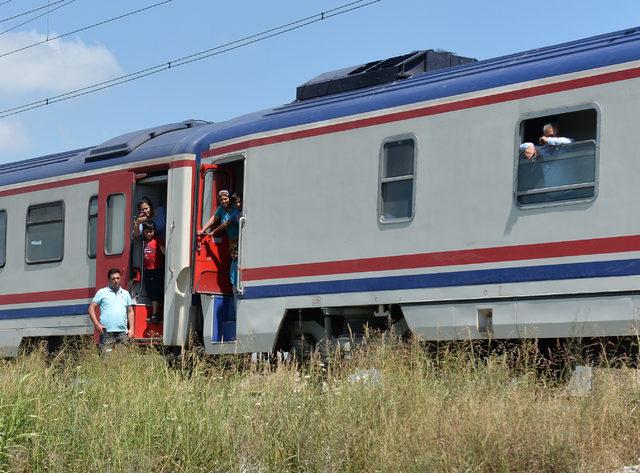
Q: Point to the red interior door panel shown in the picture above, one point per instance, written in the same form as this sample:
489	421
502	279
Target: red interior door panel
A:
211	267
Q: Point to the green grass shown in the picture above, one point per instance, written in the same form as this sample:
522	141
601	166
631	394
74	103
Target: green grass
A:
449	411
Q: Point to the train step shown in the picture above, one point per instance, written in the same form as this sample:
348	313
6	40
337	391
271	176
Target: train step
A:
142	329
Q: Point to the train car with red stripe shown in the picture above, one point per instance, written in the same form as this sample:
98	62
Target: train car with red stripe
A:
395	194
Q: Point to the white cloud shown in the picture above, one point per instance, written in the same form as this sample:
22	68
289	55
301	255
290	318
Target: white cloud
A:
13	139
53	67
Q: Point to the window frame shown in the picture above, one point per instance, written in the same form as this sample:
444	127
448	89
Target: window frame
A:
26	233
210	205
106	225
6	231
518	141
89	216
231	158
382	180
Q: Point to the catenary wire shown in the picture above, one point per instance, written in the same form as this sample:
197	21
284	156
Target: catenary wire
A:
84	28
223	48
5	2
36	17
4	20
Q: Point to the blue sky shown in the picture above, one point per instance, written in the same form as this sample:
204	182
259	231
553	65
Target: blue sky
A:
250	78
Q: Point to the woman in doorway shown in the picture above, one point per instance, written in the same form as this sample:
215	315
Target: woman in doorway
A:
225	218
146	212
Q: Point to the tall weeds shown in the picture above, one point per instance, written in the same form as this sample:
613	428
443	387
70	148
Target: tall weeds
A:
387	407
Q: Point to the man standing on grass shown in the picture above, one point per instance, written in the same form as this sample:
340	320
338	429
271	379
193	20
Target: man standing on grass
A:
115	307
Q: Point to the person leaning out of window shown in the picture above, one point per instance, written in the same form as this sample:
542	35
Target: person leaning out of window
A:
548	141
225	219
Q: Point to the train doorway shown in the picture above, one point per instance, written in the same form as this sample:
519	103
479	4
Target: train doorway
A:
216	262
147	275
213	249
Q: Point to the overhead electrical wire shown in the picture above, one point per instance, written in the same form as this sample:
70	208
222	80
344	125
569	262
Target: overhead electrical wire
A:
48	5
84	28
5	2
217	50
37	16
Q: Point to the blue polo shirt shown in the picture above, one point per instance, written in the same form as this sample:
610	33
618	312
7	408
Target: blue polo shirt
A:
113	308
231	214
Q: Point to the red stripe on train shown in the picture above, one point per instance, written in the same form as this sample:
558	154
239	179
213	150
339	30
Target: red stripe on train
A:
46	296
431	110
450	258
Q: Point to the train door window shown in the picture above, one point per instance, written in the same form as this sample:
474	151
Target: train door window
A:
227	176
207	198
92	227
45	233
557	160
114	234
3	237
397	180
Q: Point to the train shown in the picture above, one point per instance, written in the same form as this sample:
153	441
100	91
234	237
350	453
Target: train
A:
391	195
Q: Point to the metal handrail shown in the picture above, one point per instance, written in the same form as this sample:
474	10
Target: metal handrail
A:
241	224
544	190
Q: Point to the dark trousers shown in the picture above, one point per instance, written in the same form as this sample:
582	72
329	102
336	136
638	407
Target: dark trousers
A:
109	339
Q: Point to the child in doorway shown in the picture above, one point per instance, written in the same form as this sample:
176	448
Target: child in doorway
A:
233	268
153	275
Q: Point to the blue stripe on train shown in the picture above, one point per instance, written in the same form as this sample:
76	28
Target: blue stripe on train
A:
51	311
599	269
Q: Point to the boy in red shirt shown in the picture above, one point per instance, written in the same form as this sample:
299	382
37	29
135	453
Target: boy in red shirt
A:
153	274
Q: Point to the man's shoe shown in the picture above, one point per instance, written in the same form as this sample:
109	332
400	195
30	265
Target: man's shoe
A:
155	318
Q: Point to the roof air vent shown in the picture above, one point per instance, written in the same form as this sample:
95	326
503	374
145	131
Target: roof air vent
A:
124	144
378	72
34	163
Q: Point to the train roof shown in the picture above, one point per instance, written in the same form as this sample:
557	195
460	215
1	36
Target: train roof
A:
193	136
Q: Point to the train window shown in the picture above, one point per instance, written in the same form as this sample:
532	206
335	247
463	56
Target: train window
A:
207	198
45	233
92	229
557	158
3	237
114	235
397	180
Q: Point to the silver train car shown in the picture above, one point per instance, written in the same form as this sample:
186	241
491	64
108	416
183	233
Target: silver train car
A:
394	193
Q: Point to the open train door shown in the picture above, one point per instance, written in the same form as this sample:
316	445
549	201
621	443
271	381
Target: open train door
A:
115	191
211	263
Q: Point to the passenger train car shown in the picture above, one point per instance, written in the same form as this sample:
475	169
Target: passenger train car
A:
389	195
